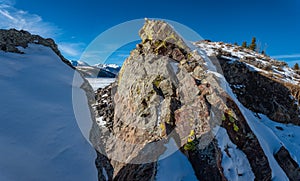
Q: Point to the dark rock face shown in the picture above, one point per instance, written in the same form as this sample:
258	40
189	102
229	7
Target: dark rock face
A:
137	172
105	170
105	105
286	162
11	39
242	136
261	93
207	162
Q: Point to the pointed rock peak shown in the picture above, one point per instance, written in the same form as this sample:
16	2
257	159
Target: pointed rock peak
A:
158	30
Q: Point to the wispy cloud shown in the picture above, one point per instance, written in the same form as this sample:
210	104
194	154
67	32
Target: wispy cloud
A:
11	17
286	56
73	50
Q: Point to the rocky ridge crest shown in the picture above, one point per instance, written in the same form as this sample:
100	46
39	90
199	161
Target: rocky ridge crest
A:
11	39
165	90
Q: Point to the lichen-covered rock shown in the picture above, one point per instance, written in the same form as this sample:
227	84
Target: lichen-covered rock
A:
164	90
161	33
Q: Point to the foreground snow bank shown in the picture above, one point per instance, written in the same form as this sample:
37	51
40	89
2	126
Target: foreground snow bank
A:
39	136
174	166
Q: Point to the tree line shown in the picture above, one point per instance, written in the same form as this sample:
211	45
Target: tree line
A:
253	46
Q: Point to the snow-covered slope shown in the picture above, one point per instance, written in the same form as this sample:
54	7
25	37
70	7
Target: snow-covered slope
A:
258	62
173	165
39	136
271	135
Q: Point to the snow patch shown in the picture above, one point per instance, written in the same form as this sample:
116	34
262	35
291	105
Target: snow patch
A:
266	137
174	166
234	162
100	122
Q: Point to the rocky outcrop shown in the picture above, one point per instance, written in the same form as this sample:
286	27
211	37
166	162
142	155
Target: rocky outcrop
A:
288	164
261	93
164	90
11	39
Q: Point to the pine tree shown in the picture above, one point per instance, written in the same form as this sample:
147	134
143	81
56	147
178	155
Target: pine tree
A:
263	52
296	66
252	46
235	43
244	44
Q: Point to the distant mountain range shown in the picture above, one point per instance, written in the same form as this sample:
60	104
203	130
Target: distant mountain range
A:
97	70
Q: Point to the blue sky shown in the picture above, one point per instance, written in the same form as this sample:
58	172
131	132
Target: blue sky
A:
74	24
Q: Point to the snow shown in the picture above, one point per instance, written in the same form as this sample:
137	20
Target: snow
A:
100	122
81	110
210	48
97	83
229	58
235	164
265	136
39	136
268	141
115	66
174	66
174	166
288	137
79	63
203	54
105	174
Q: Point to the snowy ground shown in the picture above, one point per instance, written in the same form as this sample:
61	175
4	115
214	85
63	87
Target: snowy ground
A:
39	136
174	165
269	138
100	82
284	73
234	162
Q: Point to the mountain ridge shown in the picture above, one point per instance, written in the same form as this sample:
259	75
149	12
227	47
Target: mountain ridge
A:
99	70
208	110
181	94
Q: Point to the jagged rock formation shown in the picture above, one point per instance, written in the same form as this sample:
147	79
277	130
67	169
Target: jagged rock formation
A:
167	90
11	39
